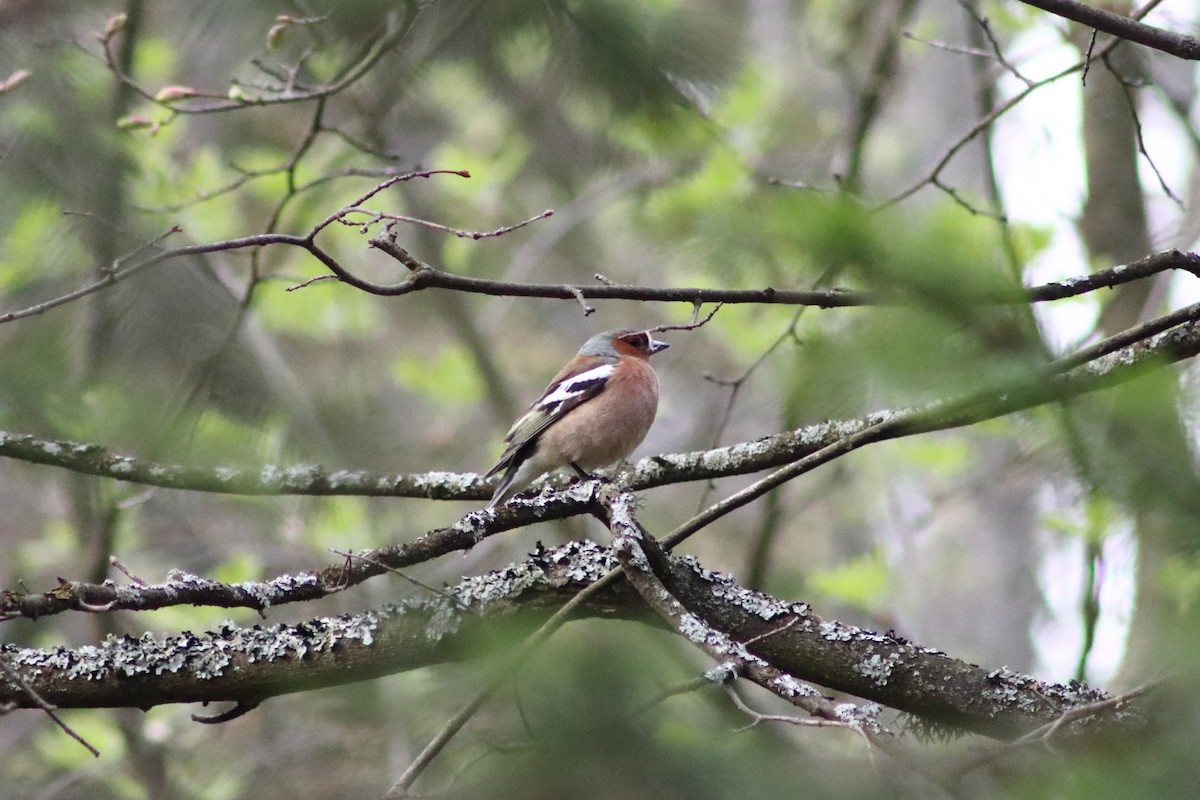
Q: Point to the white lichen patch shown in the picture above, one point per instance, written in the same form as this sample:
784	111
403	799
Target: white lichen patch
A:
788	686
386	483
179	578
723	673
717	644
695	630
476	524
444	620
717	460
455	483
228	474
485	589
266	594
878	668
864	717
585	562
631	553
301	476
347	480
1011	688
834	631
579	492
756	603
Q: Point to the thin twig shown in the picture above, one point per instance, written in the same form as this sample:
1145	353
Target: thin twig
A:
990	118
985	25
15	678
1045	733
504	674
402	574
1131	102
1128	28
109	276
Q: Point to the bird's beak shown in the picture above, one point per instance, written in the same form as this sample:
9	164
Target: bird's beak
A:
656	346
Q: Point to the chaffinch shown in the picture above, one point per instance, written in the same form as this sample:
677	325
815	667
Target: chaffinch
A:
595	412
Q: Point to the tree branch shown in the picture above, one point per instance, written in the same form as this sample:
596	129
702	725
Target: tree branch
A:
1176	44
988	119
631	543
425	276
184	589
247	665
753	629
180	102
1172	337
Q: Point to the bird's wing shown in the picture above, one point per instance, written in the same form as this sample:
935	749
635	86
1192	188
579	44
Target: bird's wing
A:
556	402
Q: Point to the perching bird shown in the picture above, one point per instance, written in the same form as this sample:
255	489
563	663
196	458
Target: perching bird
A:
595	412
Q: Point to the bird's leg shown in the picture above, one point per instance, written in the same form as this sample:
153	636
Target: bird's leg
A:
583	474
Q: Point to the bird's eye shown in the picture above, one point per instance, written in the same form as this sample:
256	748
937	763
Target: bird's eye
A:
638	340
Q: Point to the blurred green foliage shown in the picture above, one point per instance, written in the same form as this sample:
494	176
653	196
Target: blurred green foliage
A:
655	130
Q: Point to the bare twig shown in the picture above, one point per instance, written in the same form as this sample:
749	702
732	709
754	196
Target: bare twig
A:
1128	28
1131	102
375	216
950	48
1044	734
881	74
757	718
997	52
691	326
183	100
109	276
987	120
116	564
392	181
15	678
638	553
539	637
886	427
588	310
402	574
962	202
424	276
239	710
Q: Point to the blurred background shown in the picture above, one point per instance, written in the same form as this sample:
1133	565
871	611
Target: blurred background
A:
724	144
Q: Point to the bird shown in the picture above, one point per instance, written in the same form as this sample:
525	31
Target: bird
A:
595	411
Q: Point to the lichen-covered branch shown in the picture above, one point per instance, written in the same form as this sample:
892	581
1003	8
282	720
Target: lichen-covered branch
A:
733	656
249	664
781	642
246	665
183	589
1172	337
